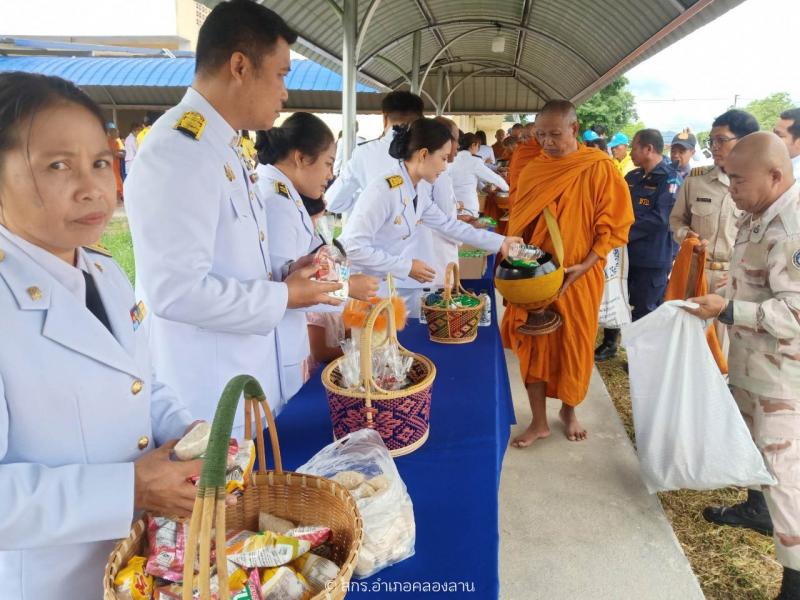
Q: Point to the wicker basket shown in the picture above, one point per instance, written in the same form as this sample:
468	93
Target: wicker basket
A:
303	499
401	417
453	325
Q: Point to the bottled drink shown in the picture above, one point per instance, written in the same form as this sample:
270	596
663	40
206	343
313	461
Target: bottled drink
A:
486	313
425	293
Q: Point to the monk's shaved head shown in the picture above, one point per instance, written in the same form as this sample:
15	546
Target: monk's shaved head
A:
564	108
760	171
557	128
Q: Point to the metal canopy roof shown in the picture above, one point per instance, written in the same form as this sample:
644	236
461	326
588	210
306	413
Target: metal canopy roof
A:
553	48
161	82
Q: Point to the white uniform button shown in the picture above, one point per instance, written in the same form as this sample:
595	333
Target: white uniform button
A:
137	386
144	441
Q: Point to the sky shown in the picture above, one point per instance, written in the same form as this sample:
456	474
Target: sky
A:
746	52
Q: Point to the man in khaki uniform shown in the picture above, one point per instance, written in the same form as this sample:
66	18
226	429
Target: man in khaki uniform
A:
704	208
764	317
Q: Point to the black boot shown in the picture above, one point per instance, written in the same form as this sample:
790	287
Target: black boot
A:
752	514
608	349
790	586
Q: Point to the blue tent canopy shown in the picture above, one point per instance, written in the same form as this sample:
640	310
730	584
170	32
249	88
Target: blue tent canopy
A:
142	82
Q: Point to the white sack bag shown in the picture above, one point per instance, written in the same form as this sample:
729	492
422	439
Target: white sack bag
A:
689	431
614	308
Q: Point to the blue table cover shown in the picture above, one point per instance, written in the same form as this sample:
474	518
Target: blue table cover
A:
453	479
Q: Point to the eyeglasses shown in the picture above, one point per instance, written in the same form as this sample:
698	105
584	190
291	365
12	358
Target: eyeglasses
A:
719	141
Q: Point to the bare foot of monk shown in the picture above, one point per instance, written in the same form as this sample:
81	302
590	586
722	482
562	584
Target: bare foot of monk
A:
572	429
530	435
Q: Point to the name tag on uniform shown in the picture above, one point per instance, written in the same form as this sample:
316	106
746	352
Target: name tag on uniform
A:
708	200
138	313
673	187
644	202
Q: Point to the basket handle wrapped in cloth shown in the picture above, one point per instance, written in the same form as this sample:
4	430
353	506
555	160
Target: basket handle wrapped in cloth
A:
211	489
555	235
452	284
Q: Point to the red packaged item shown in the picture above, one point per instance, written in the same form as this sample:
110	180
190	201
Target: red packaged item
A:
167	542
315	534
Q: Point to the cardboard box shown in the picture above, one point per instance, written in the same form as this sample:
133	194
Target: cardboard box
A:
471	267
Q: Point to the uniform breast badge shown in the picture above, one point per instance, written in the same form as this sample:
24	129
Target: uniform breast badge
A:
138	313
229	172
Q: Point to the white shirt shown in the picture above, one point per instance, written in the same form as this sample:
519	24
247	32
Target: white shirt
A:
379	236
368	161
486	152
202	259
796	166
76	402
130	151
467	171
337	162
434	248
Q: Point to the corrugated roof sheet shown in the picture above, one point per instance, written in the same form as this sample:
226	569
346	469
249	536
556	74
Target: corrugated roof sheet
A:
554	48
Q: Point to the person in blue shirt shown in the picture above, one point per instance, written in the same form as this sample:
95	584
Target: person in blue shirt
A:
651	249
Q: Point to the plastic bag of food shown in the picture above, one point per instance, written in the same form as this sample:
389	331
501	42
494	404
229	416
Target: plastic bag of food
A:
266	550
167	542
316	535
268	522
194	443
331	261
317	571
132	583
284	583
240	466
386	510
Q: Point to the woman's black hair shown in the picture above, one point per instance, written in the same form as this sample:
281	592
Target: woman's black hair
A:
22	95
481	135
302	131
467	140
422	133
314	206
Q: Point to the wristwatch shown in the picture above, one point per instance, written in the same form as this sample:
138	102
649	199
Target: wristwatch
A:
726	316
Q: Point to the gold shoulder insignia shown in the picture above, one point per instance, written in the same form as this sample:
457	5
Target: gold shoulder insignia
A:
394	181
699	171
98	249
191	124
281	189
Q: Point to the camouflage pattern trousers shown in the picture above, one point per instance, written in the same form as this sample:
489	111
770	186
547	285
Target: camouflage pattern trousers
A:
775	426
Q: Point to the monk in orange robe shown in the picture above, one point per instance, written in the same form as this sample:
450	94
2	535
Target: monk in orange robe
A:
523	154
593	209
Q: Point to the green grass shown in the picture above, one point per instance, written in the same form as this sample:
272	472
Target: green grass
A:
117	239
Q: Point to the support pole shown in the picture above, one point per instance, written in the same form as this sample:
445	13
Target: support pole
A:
416	52
440	92
350	38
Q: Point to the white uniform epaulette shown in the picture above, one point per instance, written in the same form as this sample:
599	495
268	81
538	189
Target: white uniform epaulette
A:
700	171
98	249
191	124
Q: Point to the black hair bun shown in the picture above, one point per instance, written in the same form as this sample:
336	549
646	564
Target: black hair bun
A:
271	145
399	147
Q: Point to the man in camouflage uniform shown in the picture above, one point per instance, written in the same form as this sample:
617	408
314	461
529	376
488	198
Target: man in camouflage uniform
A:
704	208
764	318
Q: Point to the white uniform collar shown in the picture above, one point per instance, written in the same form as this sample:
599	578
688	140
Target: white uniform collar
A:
409	191
274	173
68	276
796	166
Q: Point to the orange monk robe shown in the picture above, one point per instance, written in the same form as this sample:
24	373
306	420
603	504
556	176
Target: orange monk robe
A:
592	205
680	288
523	154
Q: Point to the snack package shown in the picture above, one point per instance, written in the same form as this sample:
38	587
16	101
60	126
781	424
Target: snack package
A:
251	589
331	261
284	583
388	514
316	535
240	467
389	366
194	443
268	522
132	583
267	550
317	571
167	542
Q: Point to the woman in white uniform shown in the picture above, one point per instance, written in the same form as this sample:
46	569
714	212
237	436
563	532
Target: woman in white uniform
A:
81	415
485	151
468	172
296	166
379	236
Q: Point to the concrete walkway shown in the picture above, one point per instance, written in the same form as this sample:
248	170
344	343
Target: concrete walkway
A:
575	518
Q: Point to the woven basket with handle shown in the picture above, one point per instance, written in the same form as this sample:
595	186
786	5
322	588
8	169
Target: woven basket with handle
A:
453	325
401	417
302	499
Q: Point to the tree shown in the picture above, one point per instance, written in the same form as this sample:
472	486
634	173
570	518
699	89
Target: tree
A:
630	129
613	106
767	110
